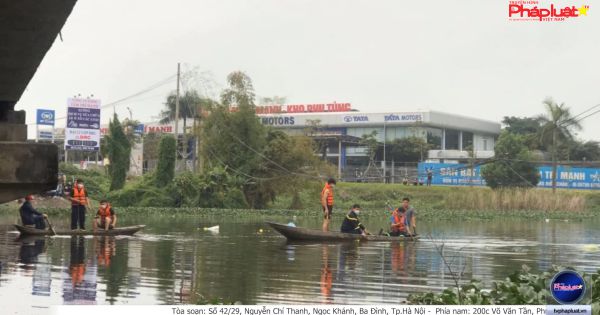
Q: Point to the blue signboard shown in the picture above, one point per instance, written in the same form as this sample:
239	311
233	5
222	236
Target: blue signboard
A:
45	117
464	175
139	129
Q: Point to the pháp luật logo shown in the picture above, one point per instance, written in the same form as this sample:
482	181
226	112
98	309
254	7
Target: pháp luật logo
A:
567	287
532	10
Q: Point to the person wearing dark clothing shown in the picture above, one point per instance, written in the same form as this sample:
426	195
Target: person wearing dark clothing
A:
351	222
429	177
30	216
79	201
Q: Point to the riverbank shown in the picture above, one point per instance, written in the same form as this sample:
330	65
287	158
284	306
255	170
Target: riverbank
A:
464	202
432	203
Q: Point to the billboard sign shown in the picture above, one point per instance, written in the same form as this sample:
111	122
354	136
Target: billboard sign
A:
83	125
45	117
139	129
45	135
342	119
463	175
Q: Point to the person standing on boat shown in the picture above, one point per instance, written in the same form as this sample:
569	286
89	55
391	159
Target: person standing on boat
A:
79	201
106	218
351	222
327	202
30	216
410	218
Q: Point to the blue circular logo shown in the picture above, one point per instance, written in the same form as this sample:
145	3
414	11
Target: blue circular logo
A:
567	287
348	118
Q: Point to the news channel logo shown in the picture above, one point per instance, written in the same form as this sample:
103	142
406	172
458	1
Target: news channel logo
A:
567	287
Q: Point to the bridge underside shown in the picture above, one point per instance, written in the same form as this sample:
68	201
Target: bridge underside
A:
27	30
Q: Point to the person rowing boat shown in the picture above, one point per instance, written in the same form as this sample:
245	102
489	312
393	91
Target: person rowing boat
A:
30	216
351	223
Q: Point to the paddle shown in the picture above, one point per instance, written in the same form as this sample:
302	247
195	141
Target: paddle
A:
50	226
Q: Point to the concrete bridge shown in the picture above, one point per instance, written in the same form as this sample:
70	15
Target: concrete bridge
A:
27	30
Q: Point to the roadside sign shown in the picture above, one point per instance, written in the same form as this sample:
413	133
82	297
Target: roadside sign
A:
45	117
82	132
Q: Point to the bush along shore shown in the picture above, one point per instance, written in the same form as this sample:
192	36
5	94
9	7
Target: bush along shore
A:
213	194
520	288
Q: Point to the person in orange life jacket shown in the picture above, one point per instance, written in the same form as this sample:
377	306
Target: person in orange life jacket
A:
398	223
79	201
106	218
351	223
327	202
30	216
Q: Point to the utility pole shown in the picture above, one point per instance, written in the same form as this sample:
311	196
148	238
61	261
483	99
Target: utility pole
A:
384	162
177	117
554	166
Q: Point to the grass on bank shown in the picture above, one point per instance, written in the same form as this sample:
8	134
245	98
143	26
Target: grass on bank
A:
432	203
375	196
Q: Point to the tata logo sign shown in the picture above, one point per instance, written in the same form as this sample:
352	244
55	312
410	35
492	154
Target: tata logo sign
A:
406	117
278	121
356	118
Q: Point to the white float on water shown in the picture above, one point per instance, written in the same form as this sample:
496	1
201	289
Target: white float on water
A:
214	229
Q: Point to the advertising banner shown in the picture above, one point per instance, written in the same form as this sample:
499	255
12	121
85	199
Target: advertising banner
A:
83	125
45	117
464	175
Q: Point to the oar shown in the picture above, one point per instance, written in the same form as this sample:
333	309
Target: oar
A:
50	226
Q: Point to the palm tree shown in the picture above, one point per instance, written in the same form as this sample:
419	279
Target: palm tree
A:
558	126
191	106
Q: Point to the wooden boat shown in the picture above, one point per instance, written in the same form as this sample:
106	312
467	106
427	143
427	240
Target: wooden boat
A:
293	233
126	230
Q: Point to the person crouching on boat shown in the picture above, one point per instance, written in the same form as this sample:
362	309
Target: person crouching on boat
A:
351	222
30	216
398	223
106	218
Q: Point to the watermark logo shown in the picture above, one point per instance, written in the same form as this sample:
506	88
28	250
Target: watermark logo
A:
567	287
526	10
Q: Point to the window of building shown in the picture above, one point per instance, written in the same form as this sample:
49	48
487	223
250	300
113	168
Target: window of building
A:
434	138
467	141
452	139
485	147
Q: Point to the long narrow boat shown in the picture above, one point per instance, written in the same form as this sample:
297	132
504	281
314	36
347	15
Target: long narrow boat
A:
303	234
126	230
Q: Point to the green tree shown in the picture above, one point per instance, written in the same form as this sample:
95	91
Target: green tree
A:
370	142
513	167
585	151
265	162
528	127
118	149
521	125
558	126
232	138
410	149
165	170
191	106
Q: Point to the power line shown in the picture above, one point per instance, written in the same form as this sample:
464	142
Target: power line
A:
134	95
573	119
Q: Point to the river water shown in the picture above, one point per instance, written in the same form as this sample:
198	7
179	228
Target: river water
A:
174	260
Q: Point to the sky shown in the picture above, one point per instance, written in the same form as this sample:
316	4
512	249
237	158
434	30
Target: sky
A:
463	57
